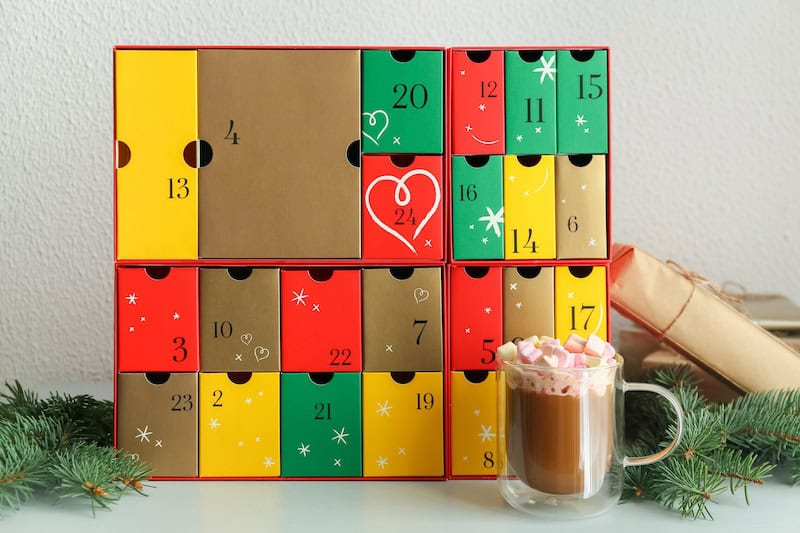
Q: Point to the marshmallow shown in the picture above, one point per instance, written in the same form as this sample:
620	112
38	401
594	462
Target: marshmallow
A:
575	343
594	346
507	352
551	360
608	352
531	356
580	360
533	339
548	349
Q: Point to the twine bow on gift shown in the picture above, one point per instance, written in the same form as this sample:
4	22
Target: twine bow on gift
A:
701	281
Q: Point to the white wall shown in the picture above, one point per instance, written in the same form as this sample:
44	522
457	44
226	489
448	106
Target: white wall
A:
706	114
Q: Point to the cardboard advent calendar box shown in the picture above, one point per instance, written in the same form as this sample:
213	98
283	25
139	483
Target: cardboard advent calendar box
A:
530	227
307	238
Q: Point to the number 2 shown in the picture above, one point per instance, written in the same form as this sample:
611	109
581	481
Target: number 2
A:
217	394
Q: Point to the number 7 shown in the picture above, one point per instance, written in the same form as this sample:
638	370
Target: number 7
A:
418	322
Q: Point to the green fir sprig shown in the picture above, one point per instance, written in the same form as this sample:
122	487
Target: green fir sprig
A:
62	445
725	447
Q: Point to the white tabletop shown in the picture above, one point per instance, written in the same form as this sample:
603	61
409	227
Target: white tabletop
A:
385	506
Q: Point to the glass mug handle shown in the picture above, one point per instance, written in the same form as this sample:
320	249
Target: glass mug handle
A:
676	406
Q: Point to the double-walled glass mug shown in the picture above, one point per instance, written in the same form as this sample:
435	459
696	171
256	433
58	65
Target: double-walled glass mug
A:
560	438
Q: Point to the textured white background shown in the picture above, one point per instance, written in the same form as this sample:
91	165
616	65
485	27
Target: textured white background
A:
706	108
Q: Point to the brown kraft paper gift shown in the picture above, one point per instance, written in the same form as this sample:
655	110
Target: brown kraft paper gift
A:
697	324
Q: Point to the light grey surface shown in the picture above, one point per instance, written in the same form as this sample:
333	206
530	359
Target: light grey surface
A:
705	123
457	506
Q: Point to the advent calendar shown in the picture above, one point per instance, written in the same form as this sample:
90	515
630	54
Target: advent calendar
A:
318	250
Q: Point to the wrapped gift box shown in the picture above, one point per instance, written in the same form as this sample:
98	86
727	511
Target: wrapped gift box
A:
682	312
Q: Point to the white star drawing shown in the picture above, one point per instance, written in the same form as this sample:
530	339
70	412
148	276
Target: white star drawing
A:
396	140
472	226
462	72
268	462
300	298
487	310
214	423
428	243
142	319
339	436
564	200
304	449
382	462
159	444
248	401
466	458
580	121
258	439
144	434
383	408
592	241
583	187
261	393
585	130
175	316
512	286
401	451
538	129
570	295
482	107
241	444
238	357
526	193
485	240
547	69
315	307
493	220
476	412
519	138
130	329
486	433
519	305
389	348
131	298
512	178
468	127
467	330
337	462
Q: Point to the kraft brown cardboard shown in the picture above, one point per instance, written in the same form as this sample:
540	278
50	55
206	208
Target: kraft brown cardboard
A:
279	184
402	320
581	207
528	302
240	320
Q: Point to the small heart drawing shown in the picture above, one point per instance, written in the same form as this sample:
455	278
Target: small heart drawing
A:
373	121
402	196
247	338
260	353
420	295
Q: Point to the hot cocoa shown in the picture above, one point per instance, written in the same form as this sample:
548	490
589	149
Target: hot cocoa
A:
561	442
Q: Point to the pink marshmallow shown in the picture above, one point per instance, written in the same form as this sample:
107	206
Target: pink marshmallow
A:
551	342
594	346
608	352
531	357
580	359
575	343
547	349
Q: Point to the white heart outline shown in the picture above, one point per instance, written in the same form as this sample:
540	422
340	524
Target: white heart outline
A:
372	122
401	186
423	293
248	336
262	350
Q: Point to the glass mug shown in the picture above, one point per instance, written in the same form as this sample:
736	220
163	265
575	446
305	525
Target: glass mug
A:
560	437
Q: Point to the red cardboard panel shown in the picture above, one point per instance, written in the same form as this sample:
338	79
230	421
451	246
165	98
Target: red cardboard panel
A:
478	102
476	315
321	320
157	319
402	207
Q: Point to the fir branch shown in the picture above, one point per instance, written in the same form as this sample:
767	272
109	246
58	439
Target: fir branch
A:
740	469
18	401
21	471
687	485
88	471
132	472
86	418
